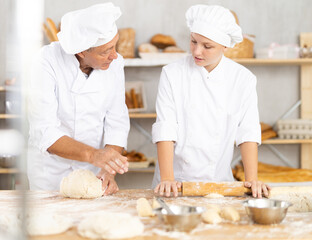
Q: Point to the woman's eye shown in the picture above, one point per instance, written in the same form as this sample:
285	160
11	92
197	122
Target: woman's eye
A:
207	47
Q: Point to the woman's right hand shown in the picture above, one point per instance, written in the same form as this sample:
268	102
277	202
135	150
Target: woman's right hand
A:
110	160
164	188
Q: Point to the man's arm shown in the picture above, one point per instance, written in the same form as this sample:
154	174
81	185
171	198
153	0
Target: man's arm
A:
108	158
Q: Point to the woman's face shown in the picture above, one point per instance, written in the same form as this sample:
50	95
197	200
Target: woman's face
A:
206	53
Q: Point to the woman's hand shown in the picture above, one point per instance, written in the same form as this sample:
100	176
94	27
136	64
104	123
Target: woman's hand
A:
258	188
109	184
109	160
164	188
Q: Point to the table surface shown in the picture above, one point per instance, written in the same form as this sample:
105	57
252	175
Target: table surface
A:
294	226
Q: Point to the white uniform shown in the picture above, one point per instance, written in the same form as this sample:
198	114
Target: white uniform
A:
205	114
64	101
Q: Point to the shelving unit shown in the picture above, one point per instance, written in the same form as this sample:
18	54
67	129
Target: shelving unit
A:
8	116
305	65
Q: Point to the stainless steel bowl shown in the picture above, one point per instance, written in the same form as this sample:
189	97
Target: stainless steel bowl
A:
266	211
185	218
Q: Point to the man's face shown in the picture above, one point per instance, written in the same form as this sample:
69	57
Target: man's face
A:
101	57
205	51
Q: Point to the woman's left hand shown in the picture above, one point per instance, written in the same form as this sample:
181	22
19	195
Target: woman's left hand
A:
258	188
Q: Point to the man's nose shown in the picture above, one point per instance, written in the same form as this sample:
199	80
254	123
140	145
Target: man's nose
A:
113	54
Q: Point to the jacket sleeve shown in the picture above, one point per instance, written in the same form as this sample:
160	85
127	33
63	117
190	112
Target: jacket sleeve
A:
249	129
44	126
166	127
117	123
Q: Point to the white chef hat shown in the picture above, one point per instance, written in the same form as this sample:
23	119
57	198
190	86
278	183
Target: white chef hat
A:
214	22
89	27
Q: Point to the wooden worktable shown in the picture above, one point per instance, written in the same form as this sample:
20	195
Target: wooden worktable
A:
294	226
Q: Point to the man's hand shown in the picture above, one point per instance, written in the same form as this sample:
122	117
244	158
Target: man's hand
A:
164	188
109	160
109	184
258	188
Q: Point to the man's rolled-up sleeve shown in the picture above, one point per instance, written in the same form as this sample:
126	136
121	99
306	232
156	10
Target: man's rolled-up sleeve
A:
45	128
117	123
249	129
166	127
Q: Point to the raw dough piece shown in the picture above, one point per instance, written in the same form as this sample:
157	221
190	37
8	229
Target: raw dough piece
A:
155	204
144	208
230	213
110	225
214	195
10	223
211	216
81	183
214	207
47	224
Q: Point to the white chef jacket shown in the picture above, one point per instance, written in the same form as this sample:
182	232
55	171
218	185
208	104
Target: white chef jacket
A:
64	102
205	113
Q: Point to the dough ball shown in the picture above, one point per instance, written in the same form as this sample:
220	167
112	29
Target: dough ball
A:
155	204
230	213
110	225
10	223
47	224
214	195
144	208
211	216
81	183
213	207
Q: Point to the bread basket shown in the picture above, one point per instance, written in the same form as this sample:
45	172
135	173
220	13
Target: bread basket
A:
244	49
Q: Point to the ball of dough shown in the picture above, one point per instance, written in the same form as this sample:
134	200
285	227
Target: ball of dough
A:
213	207
144	208
230	213
155	204
214	195
81	183
211	216
47	224
110	225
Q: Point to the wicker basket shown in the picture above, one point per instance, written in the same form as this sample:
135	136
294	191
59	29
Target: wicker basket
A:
244	49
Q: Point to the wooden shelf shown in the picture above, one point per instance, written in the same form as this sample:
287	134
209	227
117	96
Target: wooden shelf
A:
8	116
8	88
287	141
139	62
142	115
142	170
8	170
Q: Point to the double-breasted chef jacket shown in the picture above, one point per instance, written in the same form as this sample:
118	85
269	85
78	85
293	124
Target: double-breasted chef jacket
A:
66	102
205	114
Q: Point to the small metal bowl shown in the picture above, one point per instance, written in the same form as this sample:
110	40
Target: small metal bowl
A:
266	211
185	218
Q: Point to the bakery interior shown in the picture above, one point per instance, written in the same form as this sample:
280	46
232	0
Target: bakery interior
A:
277	48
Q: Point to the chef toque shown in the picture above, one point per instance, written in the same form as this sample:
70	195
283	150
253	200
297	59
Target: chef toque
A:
89	27
214	22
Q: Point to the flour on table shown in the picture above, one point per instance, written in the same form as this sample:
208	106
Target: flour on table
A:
81	183
302	202
110	225
214	195
144	208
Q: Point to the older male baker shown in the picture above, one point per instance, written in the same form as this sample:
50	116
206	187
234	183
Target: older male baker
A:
77	113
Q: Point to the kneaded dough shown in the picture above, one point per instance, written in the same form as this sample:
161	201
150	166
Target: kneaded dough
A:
211	216
81	183
230	213
214	207
144	208
47	224
110	225
10	223
155	204
214	195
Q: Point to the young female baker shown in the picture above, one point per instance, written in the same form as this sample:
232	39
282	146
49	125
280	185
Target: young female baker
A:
206	103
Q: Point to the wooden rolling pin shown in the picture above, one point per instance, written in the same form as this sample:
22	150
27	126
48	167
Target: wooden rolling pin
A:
204	188
235	189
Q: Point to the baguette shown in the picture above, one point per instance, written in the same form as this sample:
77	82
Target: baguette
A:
53	28
134	99
48	33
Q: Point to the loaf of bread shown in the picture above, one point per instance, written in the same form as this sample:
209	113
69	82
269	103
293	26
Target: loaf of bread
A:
126	43
147	48
134	156
172	49
162	41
